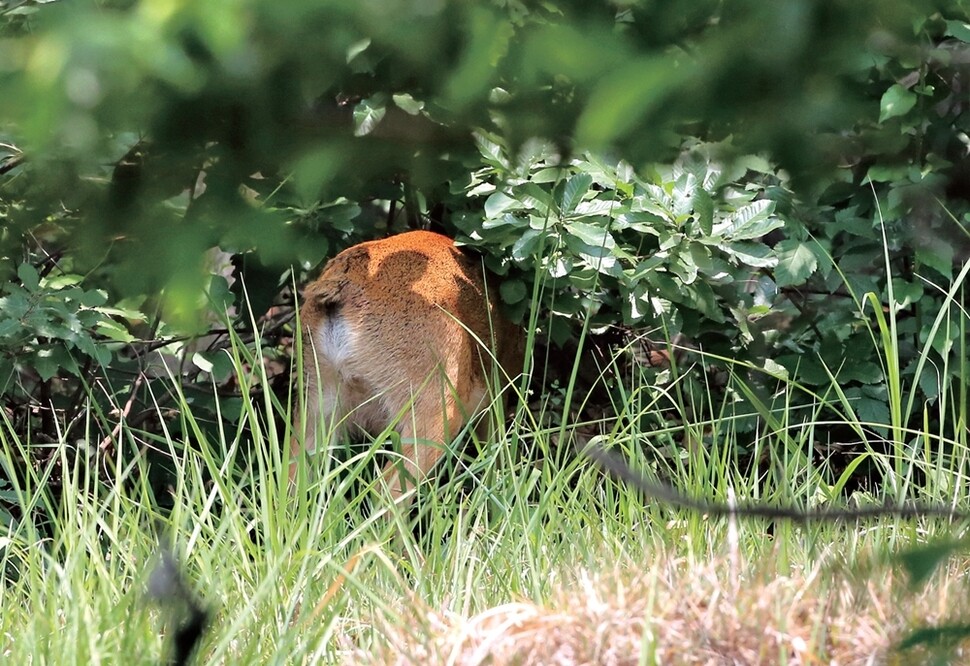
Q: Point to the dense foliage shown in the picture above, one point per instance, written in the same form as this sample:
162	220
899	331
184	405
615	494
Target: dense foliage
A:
735	174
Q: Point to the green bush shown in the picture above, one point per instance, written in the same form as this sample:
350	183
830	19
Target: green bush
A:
736	174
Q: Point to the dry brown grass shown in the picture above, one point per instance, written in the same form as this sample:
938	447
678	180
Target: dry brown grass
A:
671	612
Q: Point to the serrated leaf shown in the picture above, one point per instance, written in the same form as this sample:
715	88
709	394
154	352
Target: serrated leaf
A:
684	268
574	191
796	263
896	101
101	354
642	221
597	207
870	411
749	222
757	255
866	372
704	211
93	298
124	313
114	331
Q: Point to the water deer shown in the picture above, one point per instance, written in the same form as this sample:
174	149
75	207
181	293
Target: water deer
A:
401	332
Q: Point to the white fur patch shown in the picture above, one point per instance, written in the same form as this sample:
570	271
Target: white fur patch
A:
335	340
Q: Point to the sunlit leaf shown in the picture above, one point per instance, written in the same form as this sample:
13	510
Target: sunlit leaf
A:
573	192
796	263
896	101
367	114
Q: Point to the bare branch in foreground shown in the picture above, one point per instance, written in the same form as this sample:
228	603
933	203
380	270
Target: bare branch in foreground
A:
617	467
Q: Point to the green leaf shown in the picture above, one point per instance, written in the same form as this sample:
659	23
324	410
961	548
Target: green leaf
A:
499	203
50	360
869	410
896	101
906	293
408	104
958	29
357	48
102	354
29	277
943	640
114	331
757	255
535	197
8	327
507	220
367	114
856	370
526	246
201	362
125	313
939	257
220	295
492	150
776	370
598	207
704	211
683	266
222	365
592	235
796	263
513	291
62	281
597	257
882	173
749	222
576	187
22	10
922	561
93	298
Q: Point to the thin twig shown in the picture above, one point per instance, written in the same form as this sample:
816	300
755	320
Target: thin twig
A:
116	432
619	469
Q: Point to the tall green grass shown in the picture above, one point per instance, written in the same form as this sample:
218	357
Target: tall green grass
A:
312	573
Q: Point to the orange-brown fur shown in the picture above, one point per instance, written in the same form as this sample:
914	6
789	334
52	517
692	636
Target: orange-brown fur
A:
388	333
